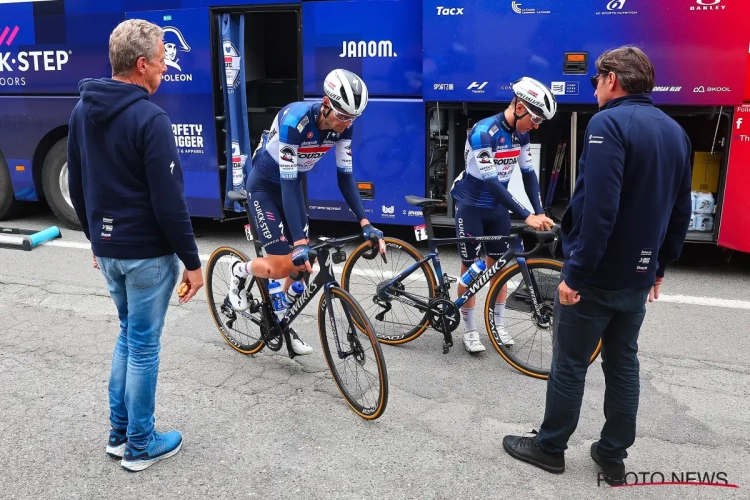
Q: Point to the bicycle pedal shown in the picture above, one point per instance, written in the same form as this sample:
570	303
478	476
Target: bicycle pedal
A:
338	257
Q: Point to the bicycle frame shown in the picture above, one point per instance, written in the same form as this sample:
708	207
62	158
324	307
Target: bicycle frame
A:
323	281
515	249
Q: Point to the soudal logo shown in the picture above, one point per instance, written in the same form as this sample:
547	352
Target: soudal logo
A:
450	11
174	42
372	48
232	61
238	165
506	161
708	5
25	61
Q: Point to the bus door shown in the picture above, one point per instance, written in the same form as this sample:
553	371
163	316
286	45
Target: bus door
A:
735	219
186	94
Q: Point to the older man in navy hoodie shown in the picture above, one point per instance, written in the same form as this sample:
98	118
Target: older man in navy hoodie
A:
626	222
126	186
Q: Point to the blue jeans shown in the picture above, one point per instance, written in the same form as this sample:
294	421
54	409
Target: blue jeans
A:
615	317
141	289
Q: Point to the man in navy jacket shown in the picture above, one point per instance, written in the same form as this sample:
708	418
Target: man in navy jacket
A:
626	222
126	186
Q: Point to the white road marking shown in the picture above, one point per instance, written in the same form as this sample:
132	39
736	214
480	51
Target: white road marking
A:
674	299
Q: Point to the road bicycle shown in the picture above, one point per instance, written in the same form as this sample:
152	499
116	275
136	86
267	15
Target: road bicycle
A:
349	341
530	284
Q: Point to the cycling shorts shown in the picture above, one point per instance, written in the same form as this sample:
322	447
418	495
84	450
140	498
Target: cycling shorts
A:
269	222
475	221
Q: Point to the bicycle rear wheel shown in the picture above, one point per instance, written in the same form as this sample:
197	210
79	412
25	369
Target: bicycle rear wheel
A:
531	353
351	348
240	329
394	322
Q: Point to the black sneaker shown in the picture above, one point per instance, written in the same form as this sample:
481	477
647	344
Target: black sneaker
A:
614	475
527	450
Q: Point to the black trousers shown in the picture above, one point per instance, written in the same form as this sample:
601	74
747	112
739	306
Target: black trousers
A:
616	318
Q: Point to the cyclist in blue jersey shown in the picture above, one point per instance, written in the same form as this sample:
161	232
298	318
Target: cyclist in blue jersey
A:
301	133
493	149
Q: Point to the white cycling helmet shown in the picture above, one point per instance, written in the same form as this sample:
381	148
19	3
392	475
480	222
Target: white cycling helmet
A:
537	96
347	91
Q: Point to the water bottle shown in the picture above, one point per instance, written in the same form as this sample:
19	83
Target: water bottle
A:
475	270
277	296
293	293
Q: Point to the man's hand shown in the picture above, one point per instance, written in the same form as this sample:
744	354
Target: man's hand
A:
96	264
367	230
568	297
194	281
540	222
300	256
654	293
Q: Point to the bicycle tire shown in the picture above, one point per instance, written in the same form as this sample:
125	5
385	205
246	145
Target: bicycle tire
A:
360	320
237	345
393	243
495	289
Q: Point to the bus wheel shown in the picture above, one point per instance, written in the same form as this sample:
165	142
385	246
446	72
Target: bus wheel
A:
55	184
8	203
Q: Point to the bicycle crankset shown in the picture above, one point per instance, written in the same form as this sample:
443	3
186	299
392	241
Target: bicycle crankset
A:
445	318
271	334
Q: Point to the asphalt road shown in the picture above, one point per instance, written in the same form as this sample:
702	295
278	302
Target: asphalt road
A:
269	427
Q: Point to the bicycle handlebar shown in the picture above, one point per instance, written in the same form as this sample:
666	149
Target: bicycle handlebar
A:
543	238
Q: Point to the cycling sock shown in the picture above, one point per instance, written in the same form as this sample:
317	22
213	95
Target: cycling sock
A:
467	315
499	312
241	269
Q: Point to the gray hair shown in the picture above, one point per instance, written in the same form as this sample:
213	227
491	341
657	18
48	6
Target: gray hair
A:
131	40
632	66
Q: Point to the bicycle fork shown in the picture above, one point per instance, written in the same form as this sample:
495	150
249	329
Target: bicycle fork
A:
356	347
530	281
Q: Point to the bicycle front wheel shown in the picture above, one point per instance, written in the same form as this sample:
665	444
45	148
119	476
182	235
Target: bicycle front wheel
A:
530	350
353	354
241	329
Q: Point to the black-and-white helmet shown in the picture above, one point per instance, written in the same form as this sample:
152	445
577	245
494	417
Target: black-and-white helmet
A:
540	99
347	91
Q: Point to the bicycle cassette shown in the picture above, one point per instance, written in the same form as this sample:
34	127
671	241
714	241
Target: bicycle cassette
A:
444	315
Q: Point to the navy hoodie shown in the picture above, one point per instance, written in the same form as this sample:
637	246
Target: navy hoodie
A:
125	176
630	209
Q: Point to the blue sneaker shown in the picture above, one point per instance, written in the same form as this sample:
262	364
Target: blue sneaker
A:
116	443
161	446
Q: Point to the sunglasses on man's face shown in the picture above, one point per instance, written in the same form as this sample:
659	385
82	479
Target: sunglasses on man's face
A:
340	115
595	81
536	120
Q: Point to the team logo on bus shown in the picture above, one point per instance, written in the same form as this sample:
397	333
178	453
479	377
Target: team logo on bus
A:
231	64
174	42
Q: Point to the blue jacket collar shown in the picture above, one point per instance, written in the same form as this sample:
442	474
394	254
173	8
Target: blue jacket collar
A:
628	100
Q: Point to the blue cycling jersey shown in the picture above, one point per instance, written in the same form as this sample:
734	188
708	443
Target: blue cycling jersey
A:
492	151
293	146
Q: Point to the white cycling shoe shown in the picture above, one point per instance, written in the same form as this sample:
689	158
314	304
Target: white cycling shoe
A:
502	334
298	345
237	297
472	342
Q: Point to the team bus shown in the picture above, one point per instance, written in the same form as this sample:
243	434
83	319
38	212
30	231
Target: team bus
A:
433	68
